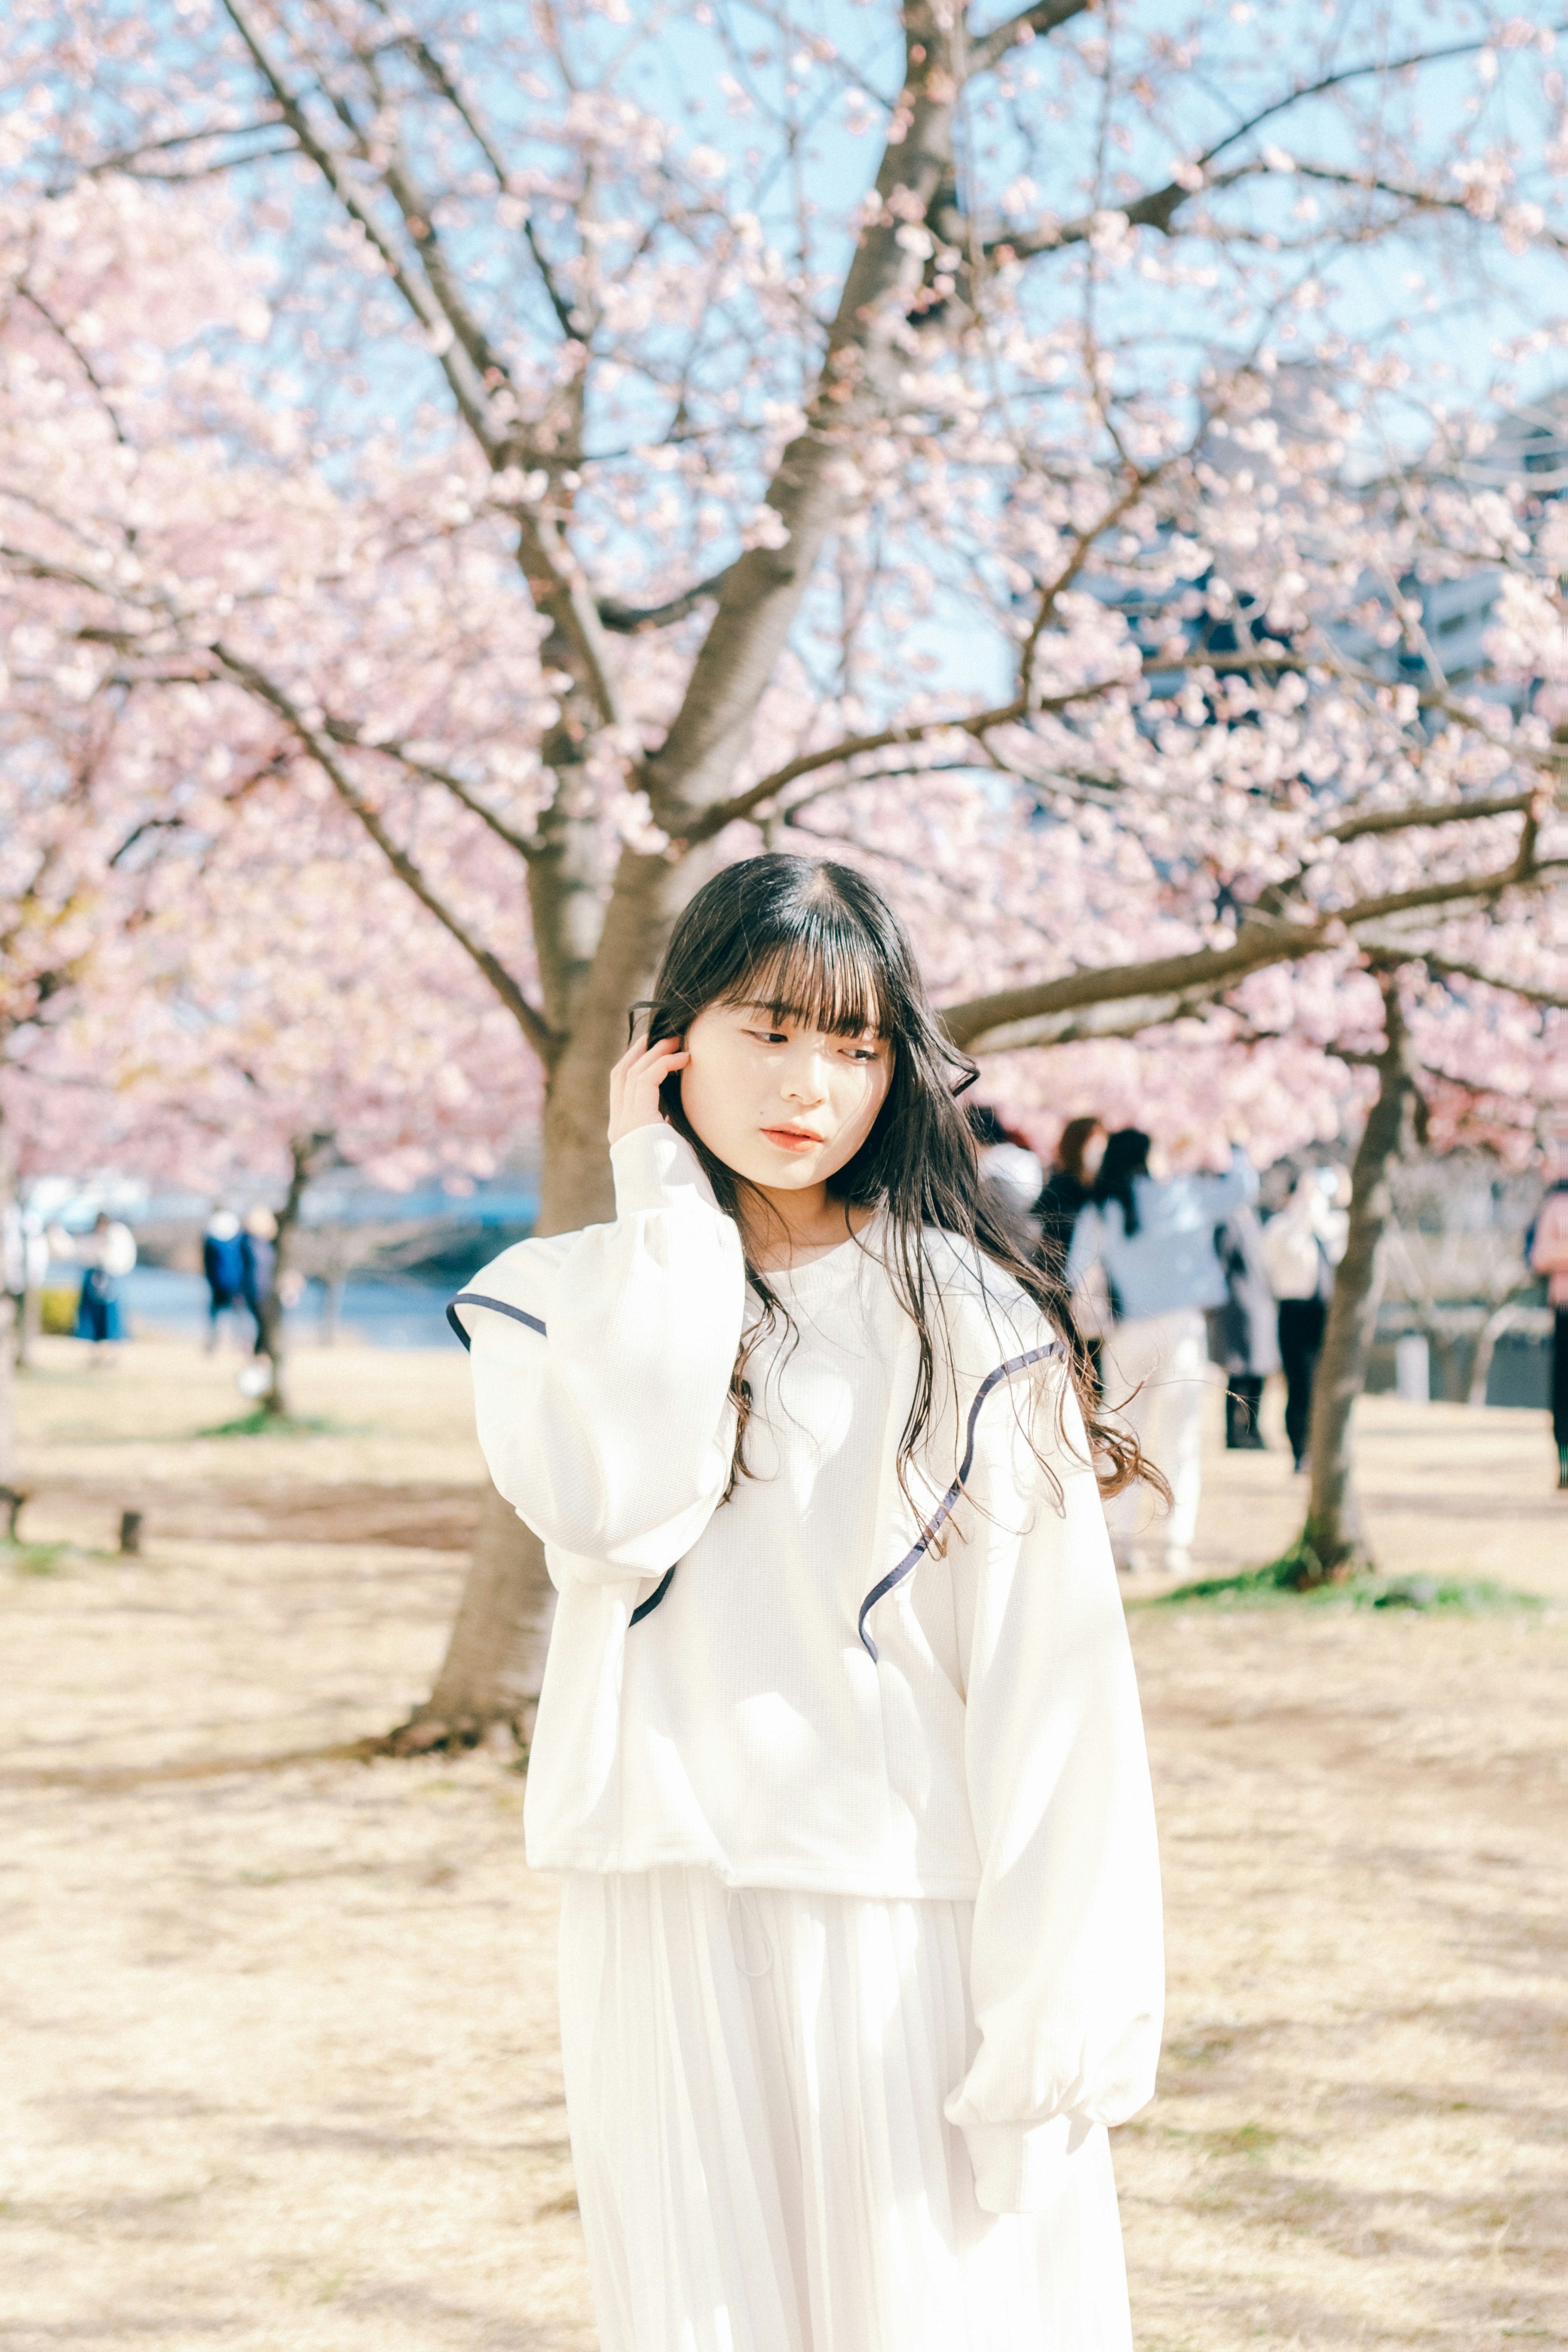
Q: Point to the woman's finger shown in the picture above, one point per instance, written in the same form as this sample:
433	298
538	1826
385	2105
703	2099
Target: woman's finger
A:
635	1085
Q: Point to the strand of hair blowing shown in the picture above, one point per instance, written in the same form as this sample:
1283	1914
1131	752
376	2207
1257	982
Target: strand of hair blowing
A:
818	943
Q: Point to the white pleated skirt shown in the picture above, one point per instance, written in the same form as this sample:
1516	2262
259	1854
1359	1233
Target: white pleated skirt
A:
755	2085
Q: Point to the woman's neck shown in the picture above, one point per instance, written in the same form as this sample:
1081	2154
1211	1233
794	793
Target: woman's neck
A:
785	1230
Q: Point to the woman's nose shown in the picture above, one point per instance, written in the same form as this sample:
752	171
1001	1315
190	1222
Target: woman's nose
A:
803	1078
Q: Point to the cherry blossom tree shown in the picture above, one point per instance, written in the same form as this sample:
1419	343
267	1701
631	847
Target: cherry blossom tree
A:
266	1000
1020	454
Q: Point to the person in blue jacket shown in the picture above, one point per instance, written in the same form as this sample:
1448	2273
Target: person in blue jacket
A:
1154	1235
224	1265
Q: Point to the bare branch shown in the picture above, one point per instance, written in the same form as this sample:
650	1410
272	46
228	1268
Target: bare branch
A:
1029	24
630	619
440	80
463	373
126	159
1158	208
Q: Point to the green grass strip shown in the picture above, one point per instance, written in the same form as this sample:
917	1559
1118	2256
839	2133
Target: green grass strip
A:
261	1424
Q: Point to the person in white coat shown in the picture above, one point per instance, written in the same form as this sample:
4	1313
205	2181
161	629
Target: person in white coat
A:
1153	1234
838	1749
1301	1247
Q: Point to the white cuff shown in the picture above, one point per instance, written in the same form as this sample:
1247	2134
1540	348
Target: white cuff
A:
655	1169
1022	2167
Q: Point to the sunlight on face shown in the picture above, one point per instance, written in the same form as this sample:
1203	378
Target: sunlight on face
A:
783	1106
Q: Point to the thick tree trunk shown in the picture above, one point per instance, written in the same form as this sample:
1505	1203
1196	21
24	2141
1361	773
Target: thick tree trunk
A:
7	1399
495	1658
1334	1543
305	1156
11	1498
29	1324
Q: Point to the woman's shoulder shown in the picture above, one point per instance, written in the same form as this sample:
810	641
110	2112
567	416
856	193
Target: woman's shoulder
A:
979	1293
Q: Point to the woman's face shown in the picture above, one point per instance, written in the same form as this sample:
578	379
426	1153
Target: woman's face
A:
783	1106
1092	1154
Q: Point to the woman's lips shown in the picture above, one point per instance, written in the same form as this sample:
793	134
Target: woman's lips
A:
792	1138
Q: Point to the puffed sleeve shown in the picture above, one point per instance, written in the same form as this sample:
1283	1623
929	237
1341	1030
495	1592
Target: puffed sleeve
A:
1066	1962
602	1364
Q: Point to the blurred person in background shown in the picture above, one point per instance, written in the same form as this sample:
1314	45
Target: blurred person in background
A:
1546	1251
1068	1189
1010	1168
25	1249
105	1254
1153	1234
258	1257
223	1263
1246	1328
1301	1247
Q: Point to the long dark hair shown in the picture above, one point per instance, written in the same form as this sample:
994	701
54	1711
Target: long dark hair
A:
1126	1157
816	943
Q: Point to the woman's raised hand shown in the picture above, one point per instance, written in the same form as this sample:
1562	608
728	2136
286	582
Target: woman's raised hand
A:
634	1083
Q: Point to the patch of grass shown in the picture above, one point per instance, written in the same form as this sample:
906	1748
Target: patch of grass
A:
259	1424
36	1559
1249	2140
1278	1584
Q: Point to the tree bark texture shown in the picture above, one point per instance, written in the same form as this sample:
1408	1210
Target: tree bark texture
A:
9	1499
1335	1538
7	1398
305	1156
495	1658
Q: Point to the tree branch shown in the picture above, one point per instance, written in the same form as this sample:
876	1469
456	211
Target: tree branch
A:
1446	969
343	730
630	619
1030	23
466	358
1049	1012
256	683
62	334
1425	813
440	80
976	723
1158	208
455	361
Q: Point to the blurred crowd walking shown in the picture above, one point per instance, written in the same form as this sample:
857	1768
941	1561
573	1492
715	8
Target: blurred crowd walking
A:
1173	1275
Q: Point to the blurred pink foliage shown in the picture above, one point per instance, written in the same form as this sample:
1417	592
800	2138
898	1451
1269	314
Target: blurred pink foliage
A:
260	651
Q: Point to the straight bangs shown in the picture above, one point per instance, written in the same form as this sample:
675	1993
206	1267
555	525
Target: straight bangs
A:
822	974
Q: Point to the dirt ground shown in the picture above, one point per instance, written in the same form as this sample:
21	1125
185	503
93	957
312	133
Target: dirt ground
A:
281	2065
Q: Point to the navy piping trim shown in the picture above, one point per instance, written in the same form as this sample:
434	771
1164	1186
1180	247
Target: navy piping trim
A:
478	1298
913	1557
646	1608
519	1315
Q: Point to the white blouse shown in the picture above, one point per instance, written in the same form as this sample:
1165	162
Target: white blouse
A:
824	1683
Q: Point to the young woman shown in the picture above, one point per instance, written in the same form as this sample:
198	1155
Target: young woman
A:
838	1749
